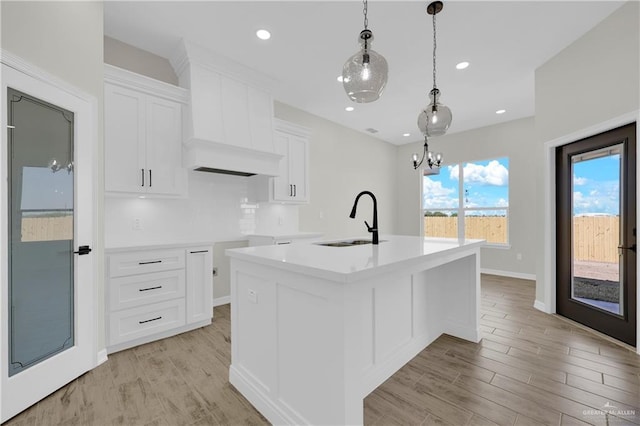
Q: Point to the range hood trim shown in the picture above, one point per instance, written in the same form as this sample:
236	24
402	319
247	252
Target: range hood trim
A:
230	158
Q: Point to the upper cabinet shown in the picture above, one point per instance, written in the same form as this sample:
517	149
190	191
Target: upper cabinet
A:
143	135
292	183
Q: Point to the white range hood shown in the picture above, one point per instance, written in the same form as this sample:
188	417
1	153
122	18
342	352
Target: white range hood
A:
228	124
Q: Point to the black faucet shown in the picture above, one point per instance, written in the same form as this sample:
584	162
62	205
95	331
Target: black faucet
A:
373	229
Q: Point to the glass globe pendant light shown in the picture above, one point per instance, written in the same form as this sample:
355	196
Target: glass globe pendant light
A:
364	75
435	118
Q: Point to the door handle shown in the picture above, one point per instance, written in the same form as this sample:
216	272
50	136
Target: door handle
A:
142	170
83	250
632	247
295	191
150	181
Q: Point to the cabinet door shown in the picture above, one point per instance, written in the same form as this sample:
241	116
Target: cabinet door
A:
164	147
282	189
298	168
199	284
124	133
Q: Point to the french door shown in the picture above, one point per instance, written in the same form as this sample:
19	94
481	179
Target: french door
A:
596	232
48	324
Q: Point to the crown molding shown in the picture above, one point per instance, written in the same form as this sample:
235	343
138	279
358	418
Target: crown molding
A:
141	83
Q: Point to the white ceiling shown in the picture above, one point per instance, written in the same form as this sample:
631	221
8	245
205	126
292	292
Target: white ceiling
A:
505	41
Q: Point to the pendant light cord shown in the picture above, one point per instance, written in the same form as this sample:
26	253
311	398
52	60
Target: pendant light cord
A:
364	11
434	51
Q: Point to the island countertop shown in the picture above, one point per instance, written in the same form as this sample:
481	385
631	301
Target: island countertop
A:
353	263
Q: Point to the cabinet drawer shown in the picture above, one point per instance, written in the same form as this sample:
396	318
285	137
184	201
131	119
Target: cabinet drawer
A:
136	290
142	262
135	323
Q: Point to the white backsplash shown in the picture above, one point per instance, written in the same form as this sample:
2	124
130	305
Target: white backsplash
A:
217	209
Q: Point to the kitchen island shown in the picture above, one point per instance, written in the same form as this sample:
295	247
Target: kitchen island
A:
316	328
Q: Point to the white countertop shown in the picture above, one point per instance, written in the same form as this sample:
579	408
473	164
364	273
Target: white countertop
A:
287	235
347	264
120	249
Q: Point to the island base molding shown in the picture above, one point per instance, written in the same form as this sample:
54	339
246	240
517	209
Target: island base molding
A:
307	350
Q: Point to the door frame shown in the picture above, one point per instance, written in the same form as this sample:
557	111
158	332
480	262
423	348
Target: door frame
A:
29	79
548	304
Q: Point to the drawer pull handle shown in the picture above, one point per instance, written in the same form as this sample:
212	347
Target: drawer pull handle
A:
149	320
150	262
150	288
199	251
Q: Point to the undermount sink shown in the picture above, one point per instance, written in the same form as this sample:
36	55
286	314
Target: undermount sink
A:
346	243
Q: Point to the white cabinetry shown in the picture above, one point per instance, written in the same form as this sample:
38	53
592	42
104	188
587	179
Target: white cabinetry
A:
152	294
143	135
199	284
292	183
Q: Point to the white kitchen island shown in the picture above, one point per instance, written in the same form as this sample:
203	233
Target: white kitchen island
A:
315	329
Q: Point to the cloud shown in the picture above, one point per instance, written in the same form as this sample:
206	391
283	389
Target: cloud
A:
579	181
603	198
493	173
438	197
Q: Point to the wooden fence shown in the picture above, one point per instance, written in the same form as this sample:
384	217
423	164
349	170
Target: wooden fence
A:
596	238
47	228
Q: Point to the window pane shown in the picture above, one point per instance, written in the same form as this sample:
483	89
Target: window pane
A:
490	225
440	191
442	224
486	183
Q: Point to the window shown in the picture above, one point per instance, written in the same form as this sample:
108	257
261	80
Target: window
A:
468	199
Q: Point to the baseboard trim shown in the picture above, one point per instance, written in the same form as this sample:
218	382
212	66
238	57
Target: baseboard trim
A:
102	357
540	306
509	274
224	300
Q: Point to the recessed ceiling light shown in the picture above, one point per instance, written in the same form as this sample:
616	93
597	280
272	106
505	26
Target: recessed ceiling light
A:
462	65
406	135
349	108
339	78
501	111
263	34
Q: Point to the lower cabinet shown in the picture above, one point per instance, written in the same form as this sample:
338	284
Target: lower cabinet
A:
153	294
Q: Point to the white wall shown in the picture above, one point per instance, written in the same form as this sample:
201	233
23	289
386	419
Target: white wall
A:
591	81
343	163
65	39
139	61
514	139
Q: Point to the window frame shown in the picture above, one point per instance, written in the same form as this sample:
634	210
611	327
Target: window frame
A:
461	209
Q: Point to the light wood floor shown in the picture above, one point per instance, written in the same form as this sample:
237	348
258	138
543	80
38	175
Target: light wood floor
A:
530	368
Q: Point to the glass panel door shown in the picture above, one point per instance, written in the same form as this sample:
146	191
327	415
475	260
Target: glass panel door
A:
597	263
596	232
41	220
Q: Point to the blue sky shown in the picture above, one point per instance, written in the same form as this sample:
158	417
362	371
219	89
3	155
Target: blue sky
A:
486	184
42	189
596	186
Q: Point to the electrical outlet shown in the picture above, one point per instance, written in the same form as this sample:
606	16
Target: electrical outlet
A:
519	256
280	220
137	224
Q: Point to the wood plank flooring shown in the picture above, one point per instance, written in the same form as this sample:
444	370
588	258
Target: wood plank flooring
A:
529	369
